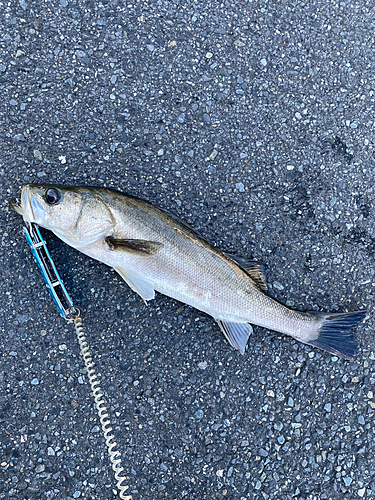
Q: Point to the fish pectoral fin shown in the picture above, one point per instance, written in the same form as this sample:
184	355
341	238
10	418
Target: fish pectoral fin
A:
253	268
142	286
237	334
135	247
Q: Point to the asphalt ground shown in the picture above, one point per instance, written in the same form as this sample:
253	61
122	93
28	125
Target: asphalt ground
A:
252	121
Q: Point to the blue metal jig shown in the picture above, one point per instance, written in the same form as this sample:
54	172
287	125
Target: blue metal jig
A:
48	269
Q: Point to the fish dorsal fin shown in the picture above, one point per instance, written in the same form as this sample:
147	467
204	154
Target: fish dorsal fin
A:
135	247
253	268
237	334
142	286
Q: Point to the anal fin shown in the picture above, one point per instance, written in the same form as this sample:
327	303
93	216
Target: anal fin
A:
142	286
237	334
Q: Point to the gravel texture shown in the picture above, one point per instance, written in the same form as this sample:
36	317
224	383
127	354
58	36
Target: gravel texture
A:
254	122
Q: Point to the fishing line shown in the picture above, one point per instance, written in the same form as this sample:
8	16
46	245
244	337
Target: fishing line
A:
114	455
73	313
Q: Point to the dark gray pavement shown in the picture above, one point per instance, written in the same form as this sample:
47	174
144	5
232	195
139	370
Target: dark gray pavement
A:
254	122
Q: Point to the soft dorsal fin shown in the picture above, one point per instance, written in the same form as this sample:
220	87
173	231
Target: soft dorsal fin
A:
253	268
135	247
237	334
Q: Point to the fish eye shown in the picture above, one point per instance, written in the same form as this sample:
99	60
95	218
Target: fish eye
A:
52	196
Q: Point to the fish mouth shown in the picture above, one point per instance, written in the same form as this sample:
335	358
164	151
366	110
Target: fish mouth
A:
29	207
21	206
16	206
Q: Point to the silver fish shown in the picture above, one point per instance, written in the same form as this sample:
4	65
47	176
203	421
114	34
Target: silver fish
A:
155	251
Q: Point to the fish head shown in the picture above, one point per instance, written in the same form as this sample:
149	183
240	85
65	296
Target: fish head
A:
77	215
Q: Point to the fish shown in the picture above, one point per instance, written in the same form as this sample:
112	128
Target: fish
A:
155	251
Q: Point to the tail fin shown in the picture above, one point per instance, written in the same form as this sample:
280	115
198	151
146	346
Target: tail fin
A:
335	335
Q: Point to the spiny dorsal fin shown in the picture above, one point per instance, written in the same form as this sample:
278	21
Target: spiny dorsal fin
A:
253	268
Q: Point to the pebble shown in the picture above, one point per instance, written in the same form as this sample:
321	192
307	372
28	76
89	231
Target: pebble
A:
198	414
207	118
34	381
240	187
263	62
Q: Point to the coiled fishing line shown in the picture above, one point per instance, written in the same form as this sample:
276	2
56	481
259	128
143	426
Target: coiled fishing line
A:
97	393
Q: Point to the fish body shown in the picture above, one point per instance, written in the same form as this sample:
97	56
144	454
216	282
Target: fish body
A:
156	252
